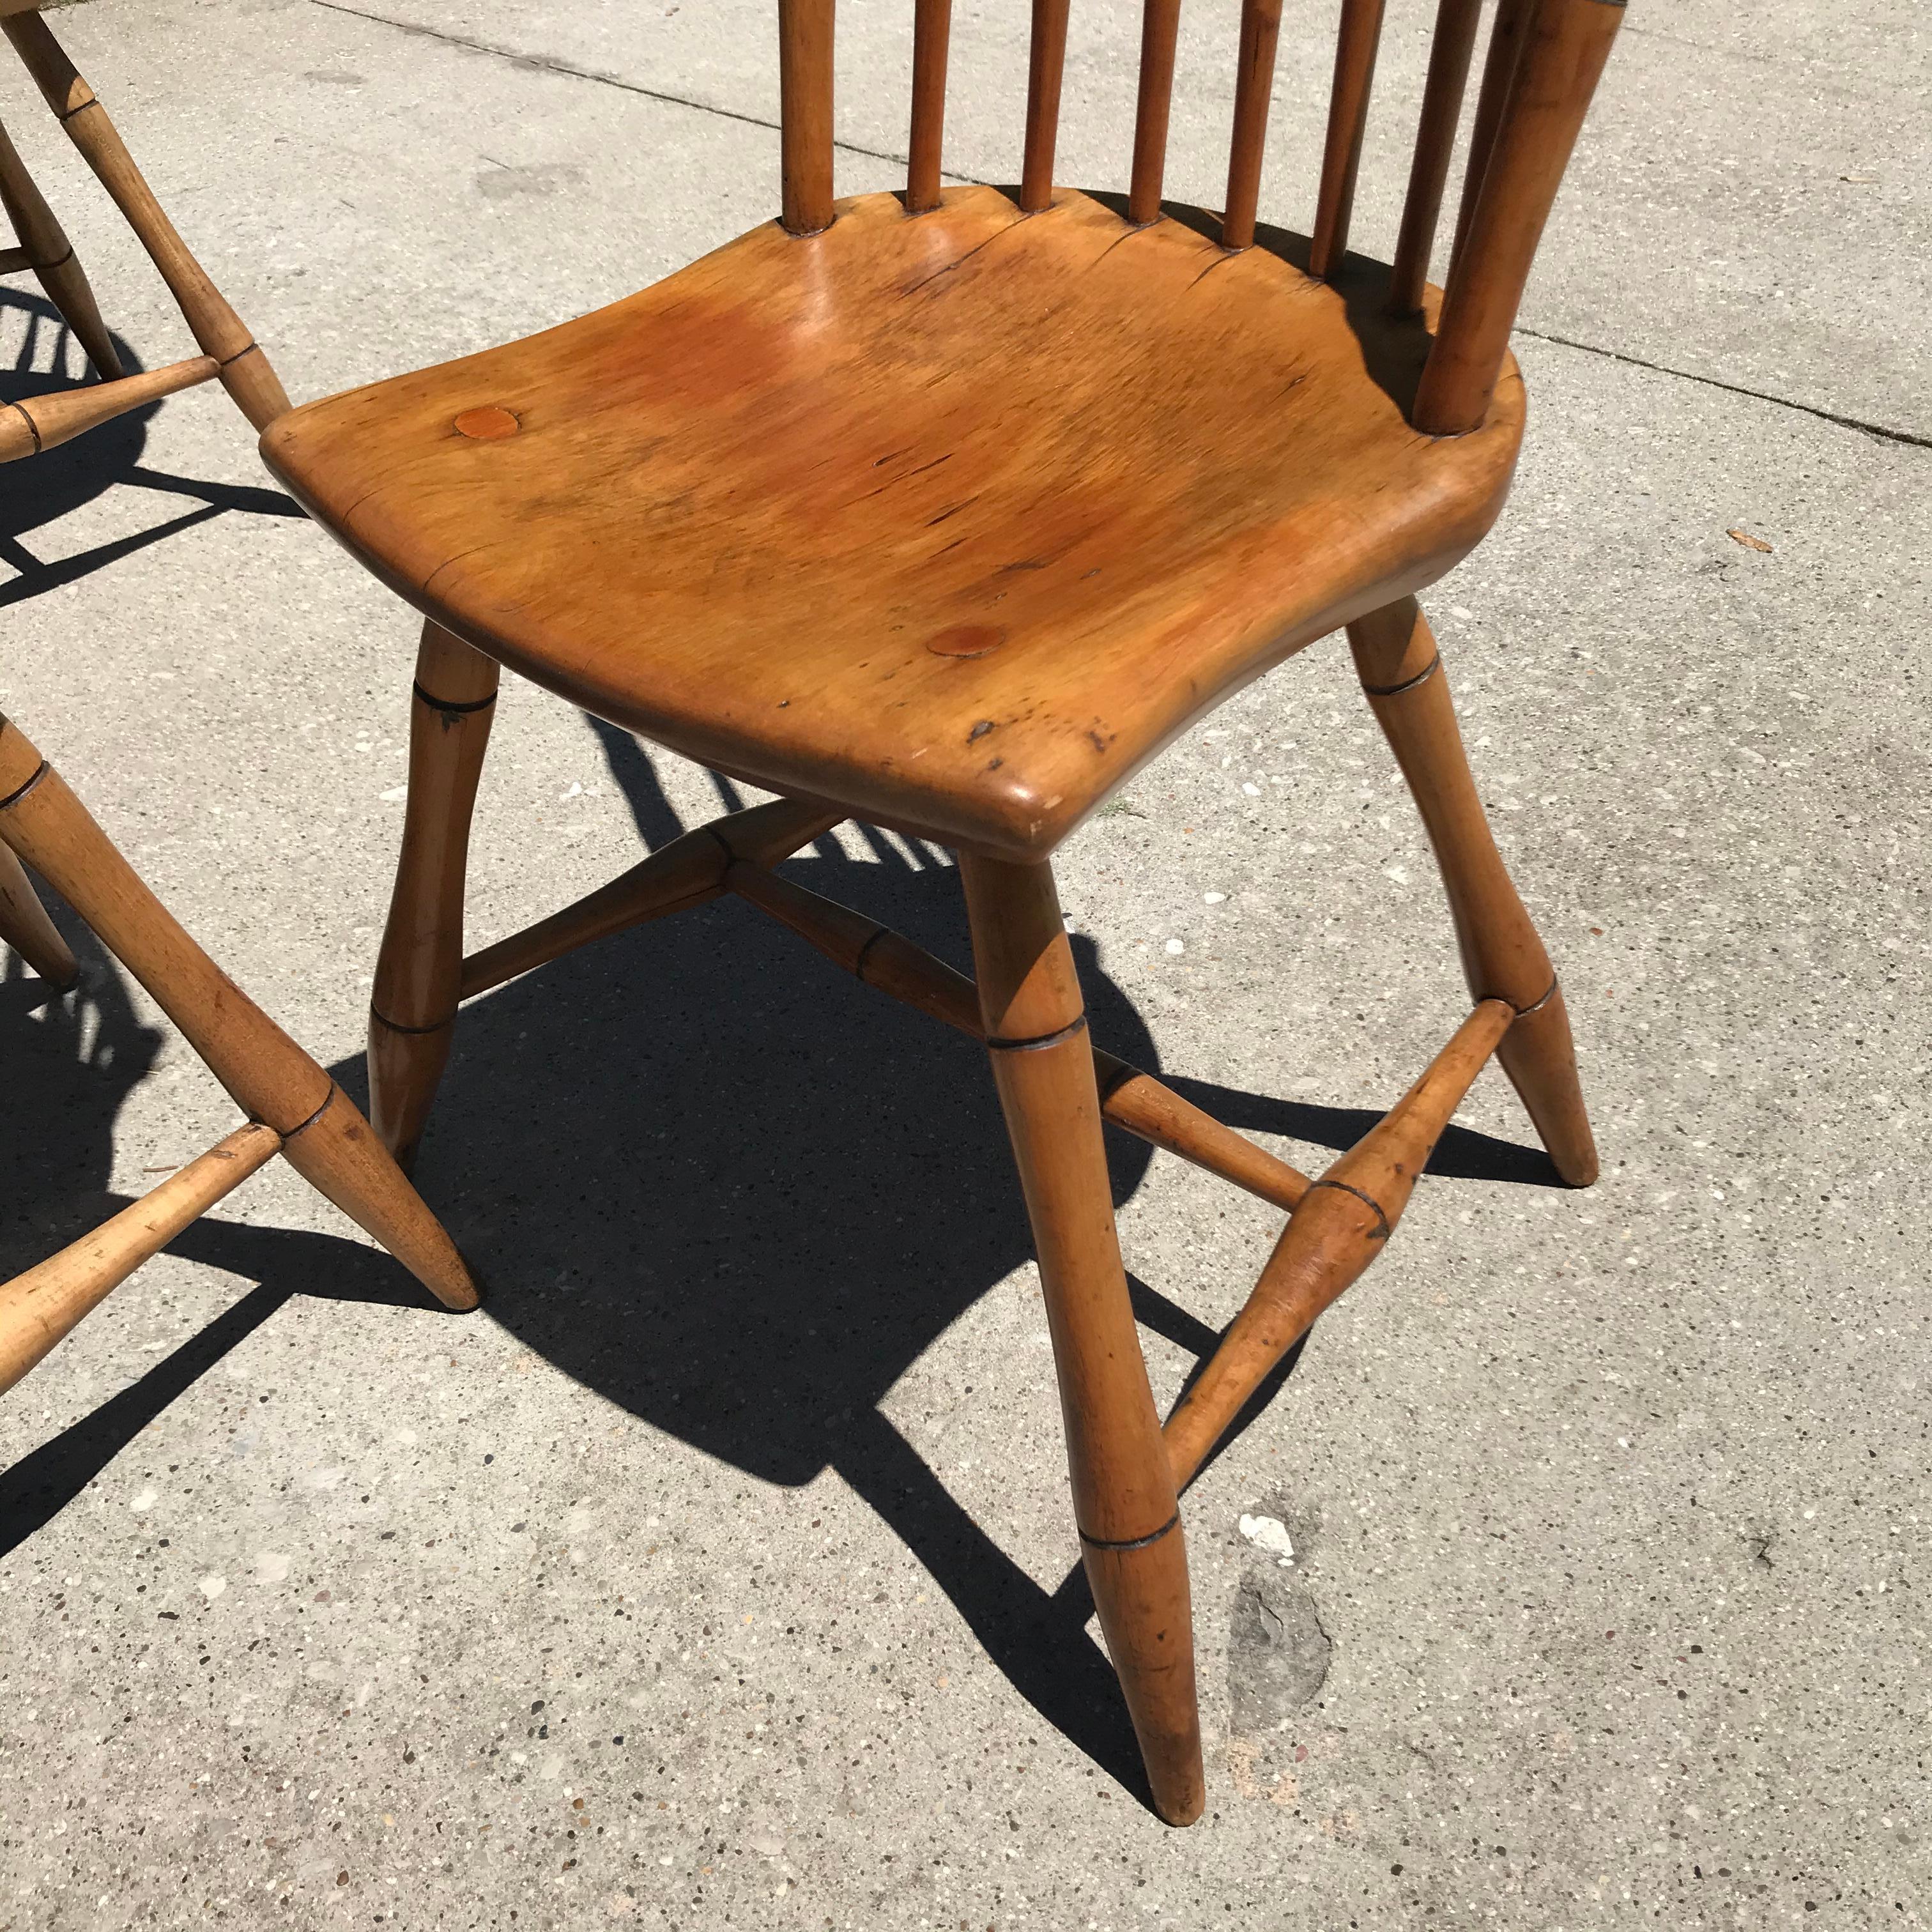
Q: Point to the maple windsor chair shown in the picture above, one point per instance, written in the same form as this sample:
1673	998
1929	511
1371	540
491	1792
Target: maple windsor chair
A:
946	511
229	353
294	1108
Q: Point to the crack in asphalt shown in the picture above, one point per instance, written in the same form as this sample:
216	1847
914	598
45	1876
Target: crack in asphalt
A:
547	64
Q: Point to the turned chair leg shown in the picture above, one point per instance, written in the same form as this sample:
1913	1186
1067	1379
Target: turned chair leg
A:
271	1079
244	369
419	972
51	256
26	927
1123	1495
1401	670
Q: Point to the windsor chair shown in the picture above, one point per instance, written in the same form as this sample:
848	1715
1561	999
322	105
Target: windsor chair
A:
294	1108
229	353
946	510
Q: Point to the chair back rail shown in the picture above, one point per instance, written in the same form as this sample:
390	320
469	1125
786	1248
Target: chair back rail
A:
1543	60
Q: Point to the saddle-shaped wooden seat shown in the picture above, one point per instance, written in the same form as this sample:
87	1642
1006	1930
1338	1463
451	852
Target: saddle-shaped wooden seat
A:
954	519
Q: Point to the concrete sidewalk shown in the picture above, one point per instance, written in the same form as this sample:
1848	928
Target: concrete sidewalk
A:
719	1571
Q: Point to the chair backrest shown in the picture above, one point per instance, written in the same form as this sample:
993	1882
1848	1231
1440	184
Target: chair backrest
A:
1542	66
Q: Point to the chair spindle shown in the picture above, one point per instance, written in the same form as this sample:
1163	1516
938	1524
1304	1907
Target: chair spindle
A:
1562	57
1160	31
1449	55
1355	47
804	112
1254	87
1507	34
931	30
1045	64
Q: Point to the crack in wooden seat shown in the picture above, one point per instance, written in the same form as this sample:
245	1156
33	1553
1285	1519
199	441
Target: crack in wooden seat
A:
946	511
229	354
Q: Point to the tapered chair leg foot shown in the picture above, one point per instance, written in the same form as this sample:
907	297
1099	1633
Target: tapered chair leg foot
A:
1401	670
419	970
1123	1496
1538	1056
338	1153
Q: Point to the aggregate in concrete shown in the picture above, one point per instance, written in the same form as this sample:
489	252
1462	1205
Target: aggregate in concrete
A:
721	1570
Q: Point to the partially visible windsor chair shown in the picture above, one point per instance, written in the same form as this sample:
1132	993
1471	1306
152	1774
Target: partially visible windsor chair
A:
229	353
294	1108
947	510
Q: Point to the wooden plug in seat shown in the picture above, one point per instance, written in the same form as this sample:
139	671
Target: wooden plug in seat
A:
956	519
946	511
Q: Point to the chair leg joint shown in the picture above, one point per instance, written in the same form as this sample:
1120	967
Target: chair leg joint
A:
396	1026
1076	1025
1383	1227
1131	1542
450	707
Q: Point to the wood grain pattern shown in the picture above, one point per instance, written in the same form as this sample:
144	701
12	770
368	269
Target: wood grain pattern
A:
1123	1494
1342	1226
932	27
1399	663
246	373
41	1307
1154	469
1254	87
1562	60
26	927
1356	45
1450	53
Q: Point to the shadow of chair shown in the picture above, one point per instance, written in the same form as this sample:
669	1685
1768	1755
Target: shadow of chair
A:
60	481
724	1230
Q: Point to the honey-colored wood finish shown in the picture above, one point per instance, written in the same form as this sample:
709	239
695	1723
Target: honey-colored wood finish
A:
1339	1228
946	511
932	28
1254	86
1355	49
26	927
39	1308
1123	1495
1401	670
1041	432
37	423
805	85
1160	30
242	367
1046	67
419	971
273	1081
45	249
1449	55
1564	51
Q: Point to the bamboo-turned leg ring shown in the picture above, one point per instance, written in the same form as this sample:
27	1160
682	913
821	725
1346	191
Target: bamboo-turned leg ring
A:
1124	1504
419	972
1401	670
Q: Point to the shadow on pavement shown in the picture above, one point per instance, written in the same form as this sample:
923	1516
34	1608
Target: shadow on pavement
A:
708	1176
